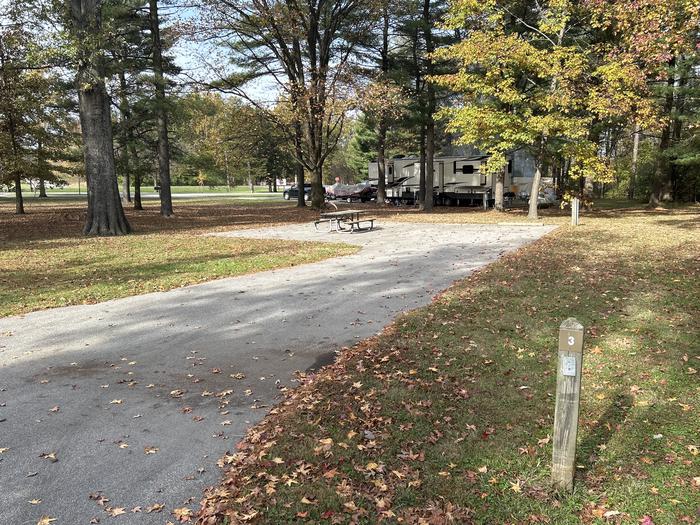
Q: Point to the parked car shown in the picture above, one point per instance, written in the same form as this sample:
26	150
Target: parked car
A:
293	192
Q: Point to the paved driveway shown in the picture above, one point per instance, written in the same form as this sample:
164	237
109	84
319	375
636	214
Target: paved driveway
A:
134	400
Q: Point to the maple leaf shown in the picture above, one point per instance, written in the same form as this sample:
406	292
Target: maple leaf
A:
34	501
156	507
116	511
115	402
51	456
150	450
3	449
182	514
45	520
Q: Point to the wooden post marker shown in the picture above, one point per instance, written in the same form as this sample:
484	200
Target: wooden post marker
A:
567	404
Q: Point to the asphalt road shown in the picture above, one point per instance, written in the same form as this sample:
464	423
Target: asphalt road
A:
135	399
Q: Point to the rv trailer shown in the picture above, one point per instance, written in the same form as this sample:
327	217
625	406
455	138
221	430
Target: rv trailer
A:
456	180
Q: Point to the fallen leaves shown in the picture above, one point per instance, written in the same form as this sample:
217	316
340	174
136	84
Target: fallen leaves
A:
51	456
150	450
156	507
182	514
45	520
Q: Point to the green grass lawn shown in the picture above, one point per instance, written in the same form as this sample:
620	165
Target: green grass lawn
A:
45	261
447	416
50	273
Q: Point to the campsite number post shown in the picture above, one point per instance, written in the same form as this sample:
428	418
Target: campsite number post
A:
575	207
567	404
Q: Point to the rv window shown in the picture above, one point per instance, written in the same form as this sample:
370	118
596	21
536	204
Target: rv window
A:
467	168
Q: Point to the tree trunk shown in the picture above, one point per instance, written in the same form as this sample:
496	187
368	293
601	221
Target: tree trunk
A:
137	190
19	199
383	125
381	162
661	186
125	112
635	161
498	198
430	114
318	196
41	164
105	215
535	192
421	169
299	152
166	201
42	188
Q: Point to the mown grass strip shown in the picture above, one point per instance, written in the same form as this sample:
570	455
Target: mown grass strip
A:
38	274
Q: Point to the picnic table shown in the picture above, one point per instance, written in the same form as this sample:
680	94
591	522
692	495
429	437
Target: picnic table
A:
344	221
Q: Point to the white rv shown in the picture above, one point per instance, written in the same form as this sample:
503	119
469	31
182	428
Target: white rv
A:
456	180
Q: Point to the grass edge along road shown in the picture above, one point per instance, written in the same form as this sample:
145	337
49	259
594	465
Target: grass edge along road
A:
447	416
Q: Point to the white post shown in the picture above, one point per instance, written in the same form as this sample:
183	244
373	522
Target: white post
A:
567	404
575	205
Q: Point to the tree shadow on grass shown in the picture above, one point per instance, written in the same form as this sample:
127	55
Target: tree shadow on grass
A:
602	430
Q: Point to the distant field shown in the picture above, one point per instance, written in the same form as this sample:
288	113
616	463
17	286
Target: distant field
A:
73	188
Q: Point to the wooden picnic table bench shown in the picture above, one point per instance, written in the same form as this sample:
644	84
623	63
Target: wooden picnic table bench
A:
338	220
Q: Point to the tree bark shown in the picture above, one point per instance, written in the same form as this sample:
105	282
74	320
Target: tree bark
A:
383	125
19	199
105	215
42	188
40	161
421	168
166	201
125	112
635	160
298	149
498	197
661	186
534	192
430	113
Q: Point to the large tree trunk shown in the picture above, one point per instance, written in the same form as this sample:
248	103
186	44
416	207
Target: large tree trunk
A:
430	115
661	186
42	188
535	192
299	153
19	199
383	125
421	168
318	194
125	112
498	198
166	201
105	215
635	161
40	162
